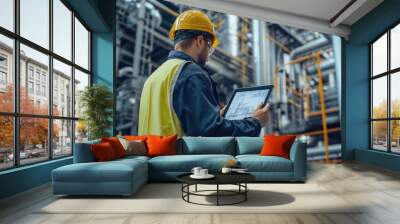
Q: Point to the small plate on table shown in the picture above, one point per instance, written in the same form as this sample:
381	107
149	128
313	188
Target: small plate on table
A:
208	176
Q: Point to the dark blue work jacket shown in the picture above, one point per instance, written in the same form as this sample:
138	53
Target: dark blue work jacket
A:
195	101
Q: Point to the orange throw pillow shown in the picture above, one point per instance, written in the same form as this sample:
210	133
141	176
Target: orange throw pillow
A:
161	145
135	138
116	145
103	152
277	145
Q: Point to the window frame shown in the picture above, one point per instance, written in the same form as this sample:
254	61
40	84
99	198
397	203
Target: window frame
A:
16	114
388	74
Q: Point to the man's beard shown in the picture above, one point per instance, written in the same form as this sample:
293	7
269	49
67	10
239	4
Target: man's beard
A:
203	57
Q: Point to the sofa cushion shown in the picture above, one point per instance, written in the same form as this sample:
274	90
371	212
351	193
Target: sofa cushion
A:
249	145
207	145
257	163
132	158
185	163
112	171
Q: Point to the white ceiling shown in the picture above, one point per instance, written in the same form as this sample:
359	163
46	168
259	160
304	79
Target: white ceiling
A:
321	9
314	15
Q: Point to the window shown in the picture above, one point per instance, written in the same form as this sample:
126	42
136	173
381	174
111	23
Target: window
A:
33	147
37	75
3	61
6	71
37	89
43	90
46	73
55	101
3	78
35	21
62	137
30	72
81	81
3	72
395	47
81	45
7	14
62	75
385	96
30	87
62	29
6	142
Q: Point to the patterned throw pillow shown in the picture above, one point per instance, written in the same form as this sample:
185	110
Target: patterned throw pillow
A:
124	142
135	147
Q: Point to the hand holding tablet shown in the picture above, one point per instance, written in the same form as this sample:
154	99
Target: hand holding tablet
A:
245	101
261	114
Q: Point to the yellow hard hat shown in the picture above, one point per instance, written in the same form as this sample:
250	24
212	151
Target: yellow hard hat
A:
194	20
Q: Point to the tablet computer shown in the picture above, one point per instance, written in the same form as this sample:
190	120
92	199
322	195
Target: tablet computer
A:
245	100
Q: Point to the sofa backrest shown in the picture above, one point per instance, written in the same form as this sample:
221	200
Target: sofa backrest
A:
83	152
249	145
191	146
206	145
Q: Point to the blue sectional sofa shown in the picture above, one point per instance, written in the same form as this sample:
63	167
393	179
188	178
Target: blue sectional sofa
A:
125	176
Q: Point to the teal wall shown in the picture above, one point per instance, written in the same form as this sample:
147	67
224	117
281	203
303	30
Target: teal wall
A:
102	58
24	178
99	15
355	91
103	63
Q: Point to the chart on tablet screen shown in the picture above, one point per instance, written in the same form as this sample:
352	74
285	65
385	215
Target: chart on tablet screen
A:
244	103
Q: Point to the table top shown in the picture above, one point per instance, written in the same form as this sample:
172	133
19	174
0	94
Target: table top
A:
220	178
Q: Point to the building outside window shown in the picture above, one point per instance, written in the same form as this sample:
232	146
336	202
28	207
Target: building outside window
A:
3	72
30	72
43	77
55	96
3	78
30	87
37	74
38	89
43	90
3	61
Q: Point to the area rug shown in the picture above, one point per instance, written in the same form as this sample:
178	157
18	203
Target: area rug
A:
166	198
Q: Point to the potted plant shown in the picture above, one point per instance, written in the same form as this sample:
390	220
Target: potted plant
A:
96	103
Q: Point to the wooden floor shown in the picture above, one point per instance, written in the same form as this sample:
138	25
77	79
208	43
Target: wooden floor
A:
378	189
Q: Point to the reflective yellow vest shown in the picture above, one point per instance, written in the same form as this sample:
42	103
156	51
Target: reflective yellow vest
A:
156	112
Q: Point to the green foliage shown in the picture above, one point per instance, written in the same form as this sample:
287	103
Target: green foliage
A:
96	102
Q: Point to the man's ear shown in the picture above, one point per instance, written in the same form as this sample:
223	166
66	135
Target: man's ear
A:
198	42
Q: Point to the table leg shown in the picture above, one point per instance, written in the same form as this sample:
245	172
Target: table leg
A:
196	187
245	193
188	190
217	194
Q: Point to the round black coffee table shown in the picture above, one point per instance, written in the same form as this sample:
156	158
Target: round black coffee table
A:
238	179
